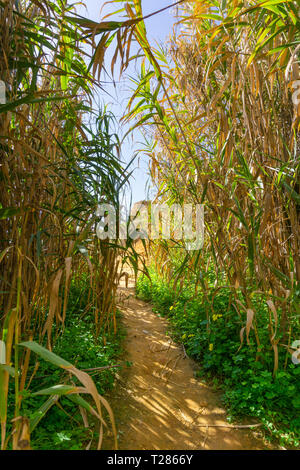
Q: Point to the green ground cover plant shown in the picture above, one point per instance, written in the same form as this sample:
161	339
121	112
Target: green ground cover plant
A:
212	338
62	427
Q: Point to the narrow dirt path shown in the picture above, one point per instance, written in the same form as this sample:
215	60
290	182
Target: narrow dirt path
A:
158	403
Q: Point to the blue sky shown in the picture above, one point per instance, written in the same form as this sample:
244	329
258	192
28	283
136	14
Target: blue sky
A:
159	27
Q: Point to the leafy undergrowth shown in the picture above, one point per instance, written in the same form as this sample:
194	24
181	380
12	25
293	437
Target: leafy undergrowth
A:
212	338
62	427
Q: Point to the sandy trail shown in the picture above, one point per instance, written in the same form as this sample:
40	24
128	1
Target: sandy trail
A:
157	402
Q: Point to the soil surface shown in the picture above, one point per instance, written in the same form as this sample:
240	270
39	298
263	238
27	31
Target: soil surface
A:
158	403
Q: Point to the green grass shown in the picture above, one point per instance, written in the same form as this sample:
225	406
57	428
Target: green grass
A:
62	427
213	340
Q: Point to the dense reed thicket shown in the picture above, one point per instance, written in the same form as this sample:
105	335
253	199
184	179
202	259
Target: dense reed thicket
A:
59	158
232	103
